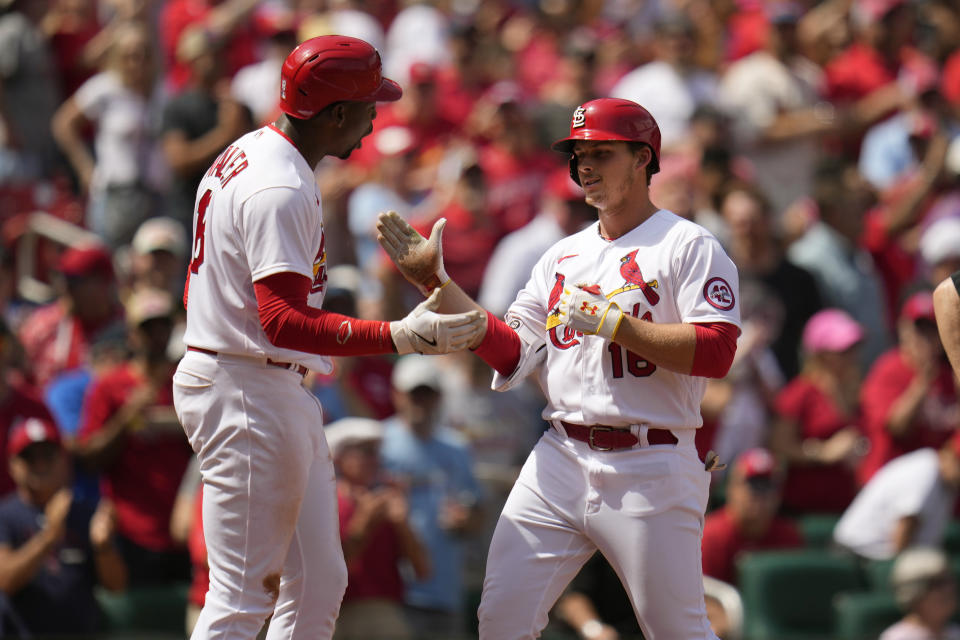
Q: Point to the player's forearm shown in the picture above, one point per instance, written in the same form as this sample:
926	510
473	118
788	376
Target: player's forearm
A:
291	324
670	346
946	305
454	299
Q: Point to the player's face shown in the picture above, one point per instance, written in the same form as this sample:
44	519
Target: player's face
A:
608	171
358	124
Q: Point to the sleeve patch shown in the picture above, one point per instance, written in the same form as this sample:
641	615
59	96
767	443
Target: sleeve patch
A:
719	294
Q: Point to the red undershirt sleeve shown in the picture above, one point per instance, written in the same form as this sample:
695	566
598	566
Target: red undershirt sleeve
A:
716	345
291	324
500	347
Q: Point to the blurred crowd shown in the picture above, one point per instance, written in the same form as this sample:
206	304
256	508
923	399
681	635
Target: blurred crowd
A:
818	140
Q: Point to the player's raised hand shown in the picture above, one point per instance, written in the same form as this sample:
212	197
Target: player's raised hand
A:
586	309
428	332
419	259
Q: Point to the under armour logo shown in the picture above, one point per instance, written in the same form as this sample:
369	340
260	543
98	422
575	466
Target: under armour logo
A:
586	308
579	117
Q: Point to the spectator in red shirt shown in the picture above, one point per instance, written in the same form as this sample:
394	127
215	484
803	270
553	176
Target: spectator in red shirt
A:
909	396
17	400
513	161
226	22
817	433
56	337
130	434
376	535
748	521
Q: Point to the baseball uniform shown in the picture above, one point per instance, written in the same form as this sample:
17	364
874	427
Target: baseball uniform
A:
642	507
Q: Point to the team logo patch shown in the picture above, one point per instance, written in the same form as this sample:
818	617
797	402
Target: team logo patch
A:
719	294
579	117
344	331
514	324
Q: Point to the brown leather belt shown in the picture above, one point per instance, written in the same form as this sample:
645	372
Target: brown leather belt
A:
603	438
292	366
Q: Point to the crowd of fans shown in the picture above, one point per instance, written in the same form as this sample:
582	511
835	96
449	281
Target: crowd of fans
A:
816	139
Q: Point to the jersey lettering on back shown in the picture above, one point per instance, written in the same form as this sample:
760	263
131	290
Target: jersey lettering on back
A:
228	165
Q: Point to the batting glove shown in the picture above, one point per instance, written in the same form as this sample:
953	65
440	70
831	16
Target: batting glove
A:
425	331
419	259
587	310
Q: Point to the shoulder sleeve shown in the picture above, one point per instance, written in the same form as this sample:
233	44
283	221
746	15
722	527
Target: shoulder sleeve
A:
528	317
280	231
708	286
92	96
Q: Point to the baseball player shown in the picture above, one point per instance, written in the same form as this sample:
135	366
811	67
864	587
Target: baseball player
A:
255	286
622	323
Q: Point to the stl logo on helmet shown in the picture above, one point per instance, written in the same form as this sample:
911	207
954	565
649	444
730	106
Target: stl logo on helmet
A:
579	117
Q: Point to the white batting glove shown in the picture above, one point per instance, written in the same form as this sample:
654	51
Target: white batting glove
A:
425	331
587	310
419	259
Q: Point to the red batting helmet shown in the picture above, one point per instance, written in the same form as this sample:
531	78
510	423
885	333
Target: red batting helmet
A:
611	119
329	69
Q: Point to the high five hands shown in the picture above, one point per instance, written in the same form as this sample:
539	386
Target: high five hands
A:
420	260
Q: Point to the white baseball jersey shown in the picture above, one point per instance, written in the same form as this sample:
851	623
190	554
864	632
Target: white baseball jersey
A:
257	213
666	270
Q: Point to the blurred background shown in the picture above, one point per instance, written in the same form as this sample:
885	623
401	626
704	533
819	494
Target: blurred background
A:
816	140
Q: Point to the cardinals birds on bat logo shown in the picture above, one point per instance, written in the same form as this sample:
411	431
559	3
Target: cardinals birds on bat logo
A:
630	271
553	316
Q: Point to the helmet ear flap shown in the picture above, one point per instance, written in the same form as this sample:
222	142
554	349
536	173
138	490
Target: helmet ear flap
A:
574	174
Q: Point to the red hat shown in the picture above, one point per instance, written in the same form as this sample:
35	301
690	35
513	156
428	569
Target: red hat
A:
422	73
562	186
919	306
85	261
31	431
756	463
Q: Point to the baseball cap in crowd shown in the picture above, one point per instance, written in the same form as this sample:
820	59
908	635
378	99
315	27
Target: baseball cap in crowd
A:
918	306
562	186
346	432
148	304
78	262
414	370
783	12
915	570
940	241
31	431
758	468
831	330
423	73
160	234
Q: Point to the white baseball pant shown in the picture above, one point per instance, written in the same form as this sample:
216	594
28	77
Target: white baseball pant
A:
642	508
269	499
